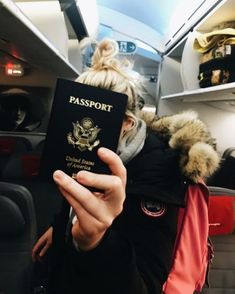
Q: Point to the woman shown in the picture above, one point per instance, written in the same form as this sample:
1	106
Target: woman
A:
121	241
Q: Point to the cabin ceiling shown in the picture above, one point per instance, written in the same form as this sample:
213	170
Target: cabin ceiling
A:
117	15
151	12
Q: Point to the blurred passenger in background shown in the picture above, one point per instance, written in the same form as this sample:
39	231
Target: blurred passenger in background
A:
16	113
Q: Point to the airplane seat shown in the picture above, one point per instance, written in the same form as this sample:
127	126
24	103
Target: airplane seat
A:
17	237
23	169
225	175
229	152
10	145
39	147
222	235
25	163
22	166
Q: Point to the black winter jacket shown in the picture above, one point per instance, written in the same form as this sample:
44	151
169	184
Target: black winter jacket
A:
134	256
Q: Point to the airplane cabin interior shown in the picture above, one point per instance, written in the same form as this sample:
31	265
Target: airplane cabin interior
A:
165	42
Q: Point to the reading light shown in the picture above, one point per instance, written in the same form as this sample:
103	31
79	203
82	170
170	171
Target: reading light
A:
14	70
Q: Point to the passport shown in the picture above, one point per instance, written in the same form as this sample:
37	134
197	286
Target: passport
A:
83	118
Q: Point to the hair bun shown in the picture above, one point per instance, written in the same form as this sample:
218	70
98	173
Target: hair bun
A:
104	54
108	48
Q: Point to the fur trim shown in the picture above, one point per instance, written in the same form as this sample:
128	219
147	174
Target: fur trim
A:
185	132
201	161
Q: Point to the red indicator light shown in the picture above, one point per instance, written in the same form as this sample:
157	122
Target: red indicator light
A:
14	70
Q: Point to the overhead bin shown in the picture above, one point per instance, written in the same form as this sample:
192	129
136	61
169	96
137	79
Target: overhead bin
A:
185	61
23	41
182	23
147	32
48	18
83	17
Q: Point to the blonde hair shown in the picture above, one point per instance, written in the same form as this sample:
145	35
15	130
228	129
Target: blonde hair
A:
108	72
182	131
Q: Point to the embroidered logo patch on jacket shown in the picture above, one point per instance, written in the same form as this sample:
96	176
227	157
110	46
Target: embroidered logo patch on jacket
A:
153	208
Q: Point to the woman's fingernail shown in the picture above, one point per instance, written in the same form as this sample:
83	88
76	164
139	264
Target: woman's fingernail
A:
58	175
81	174
102	150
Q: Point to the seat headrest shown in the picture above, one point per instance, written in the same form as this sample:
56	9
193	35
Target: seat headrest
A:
12	222
229	152
10	145
7	146
22	166
221	214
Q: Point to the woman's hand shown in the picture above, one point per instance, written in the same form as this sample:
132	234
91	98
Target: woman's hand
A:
42	245
95	211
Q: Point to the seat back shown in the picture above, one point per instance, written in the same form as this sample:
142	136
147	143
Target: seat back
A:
225	175
10	145
17	237
24	165
23	169
221	219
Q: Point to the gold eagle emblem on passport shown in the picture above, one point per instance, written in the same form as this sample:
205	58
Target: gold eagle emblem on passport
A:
84	135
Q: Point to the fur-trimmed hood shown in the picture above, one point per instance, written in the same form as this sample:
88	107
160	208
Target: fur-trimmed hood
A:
187	133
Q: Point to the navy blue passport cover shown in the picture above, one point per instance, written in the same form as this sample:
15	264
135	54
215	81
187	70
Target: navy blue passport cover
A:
83	118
